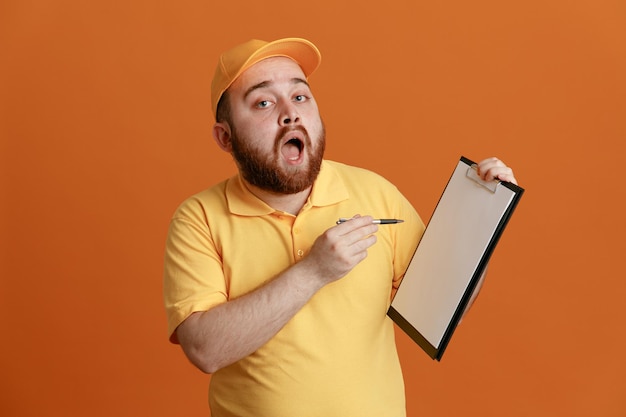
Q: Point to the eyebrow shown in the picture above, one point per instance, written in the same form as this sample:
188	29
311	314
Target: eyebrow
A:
265	84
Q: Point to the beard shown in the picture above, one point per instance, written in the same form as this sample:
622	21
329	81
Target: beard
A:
264	170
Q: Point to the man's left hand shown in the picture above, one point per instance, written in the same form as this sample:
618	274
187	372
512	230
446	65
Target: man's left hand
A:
494	169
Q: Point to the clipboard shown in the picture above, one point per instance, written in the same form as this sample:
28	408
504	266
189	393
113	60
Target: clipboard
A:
451	256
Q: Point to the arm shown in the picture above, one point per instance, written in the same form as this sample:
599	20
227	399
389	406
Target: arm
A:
474	295
233	330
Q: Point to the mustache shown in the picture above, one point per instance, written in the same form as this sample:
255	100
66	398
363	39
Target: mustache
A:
288	129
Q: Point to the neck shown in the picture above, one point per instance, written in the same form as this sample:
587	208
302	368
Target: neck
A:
288	203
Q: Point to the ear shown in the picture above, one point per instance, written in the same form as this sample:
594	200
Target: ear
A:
221	134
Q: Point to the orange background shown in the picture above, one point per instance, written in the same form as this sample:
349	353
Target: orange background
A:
105	129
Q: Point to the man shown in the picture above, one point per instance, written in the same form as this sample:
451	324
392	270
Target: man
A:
284	307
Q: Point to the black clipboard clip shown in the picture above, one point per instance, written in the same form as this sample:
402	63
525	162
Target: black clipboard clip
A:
472	173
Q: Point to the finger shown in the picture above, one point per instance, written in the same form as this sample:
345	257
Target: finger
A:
505	174
486	165
360	230
357	252
355	235
354	223
362	245
494	169
502	173
360	250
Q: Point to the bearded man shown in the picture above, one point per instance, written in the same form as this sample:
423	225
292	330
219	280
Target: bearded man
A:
263	289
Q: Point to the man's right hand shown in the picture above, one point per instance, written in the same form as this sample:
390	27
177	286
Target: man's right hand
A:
339	249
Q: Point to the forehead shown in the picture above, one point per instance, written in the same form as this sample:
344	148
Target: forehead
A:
271	71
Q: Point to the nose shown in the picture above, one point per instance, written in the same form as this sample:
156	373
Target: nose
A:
289	114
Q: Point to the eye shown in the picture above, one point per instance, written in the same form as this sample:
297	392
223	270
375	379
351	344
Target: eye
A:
300	98
263	104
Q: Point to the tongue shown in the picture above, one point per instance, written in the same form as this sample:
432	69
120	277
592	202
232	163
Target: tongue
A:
290	151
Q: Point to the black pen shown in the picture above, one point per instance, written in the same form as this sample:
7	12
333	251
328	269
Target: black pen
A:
375	221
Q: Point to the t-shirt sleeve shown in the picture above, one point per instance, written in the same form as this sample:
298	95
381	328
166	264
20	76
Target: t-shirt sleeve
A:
193	273
406	240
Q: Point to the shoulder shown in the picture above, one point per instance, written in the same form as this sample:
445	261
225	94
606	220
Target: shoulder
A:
361	180
197	206
353	175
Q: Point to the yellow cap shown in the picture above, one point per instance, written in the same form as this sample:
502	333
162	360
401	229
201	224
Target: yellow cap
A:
235	61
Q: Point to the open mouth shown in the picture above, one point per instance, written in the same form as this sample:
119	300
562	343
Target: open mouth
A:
292	149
